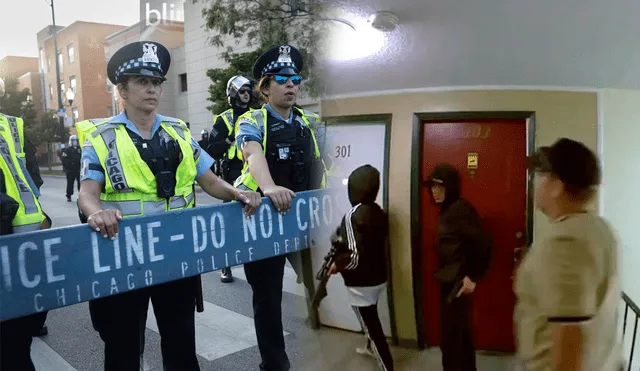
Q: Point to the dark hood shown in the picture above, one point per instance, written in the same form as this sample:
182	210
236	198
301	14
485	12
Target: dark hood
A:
363	186
449	177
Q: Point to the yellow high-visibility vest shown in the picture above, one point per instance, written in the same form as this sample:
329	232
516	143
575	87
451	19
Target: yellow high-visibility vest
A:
130	186
232	127
29	216
16	126
259	118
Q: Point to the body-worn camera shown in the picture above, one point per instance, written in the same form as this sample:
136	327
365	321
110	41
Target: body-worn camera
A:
166	184
298	172
166	177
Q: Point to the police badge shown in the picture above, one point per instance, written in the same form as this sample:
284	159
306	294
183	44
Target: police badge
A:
285	54
150	53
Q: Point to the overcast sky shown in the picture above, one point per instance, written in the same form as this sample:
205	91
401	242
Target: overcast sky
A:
23	19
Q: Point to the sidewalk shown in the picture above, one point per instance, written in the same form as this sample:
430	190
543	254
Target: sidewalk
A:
55	170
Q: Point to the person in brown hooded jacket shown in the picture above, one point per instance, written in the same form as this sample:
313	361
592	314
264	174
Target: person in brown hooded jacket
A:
464	252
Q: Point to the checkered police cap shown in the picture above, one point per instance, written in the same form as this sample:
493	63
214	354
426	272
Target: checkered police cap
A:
282	59
142	58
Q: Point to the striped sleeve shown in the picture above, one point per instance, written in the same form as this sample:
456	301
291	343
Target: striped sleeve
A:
351	239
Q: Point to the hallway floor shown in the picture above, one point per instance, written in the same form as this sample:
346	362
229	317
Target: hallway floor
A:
334	350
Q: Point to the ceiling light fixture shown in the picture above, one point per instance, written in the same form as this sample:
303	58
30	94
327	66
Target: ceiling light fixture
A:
351	37
384	21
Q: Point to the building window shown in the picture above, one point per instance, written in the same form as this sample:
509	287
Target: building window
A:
49	64
60	64
51	92
70	54
110	111
41	59
74	113
62	90
183	82
72	83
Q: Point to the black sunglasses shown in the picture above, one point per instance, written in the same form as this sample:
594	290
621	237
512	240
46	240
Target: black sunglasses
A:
281	80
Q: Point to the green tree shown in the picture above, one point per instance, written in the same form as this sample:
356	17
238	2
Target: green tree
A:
47	129
52	130
239	64
247	28
16	102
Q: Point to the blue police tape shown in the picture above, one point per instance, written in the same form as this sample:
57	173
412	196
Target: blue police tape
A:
54	268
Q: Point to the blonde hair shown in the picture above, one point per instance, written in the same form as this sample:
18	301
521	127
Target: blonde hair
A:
264	83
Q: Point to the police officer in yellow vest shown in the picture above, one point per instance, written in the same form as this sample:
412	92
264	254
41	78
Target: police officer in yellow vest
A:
221	144
281	157
140	162
20	212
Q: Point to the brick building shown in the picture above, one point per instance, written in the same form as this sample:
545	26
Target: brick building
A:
173	101
25	69
81	58
14	67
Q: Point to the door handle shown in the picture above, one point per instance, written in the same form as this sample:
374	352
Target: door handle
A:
519	253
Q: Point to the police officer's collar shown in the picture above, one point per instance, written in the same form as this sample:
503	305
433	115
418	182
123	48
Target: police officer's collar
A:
122	118
276	115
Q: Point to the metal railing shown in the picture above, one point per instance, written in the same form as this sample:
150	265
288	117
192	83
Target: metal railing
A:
628	303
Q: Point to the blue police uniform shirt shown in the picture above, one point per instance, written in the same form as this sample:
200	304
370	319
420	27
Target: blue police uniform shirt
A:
249	132
89	155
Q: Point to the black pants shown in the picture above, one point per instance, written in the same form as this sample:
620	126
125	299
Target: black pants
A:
72	177
370	322
265	277
456	337
16	336
121	321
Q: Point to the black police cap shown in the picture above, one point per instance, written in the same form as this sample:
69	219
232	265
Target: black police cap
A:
141	58
282	59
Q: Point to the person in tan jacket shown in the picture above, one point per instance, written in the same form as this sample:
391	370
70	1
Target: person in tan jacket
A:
568	285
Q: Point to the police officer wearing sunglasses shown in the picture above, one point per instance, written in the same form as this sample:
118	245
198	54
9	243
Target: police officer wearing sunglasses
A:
281	157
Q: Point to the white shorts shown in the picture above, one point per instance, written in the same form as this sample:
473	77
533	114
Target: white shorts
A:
365	296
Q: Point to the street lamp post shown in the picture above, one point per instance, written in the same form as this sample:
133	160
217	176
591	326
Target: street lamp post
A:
55	52
55	56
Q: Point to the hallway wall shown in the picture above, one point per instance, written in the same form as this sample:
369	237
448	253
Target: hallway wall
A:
620	113
620	198
558	113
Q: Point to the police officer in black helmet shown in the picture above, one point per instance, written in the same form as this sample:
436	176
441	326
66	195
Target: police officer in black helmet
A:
222	143
204	139
281	157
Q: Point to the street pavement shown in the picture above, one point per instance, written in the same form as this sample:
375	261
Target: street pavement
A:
225	330
225	334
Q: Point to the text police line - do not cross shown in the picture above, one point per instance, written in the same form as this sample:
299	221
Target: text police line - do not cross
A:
57	267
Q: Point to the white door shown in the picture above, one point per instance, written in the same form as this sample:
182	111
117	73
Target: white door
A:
350	146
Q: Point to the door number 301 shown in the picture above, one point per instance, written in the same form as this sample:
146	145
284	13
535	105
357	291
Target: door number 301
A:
343	151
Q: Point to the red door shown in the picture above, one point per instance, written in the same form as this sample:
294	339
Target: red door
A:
490	155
